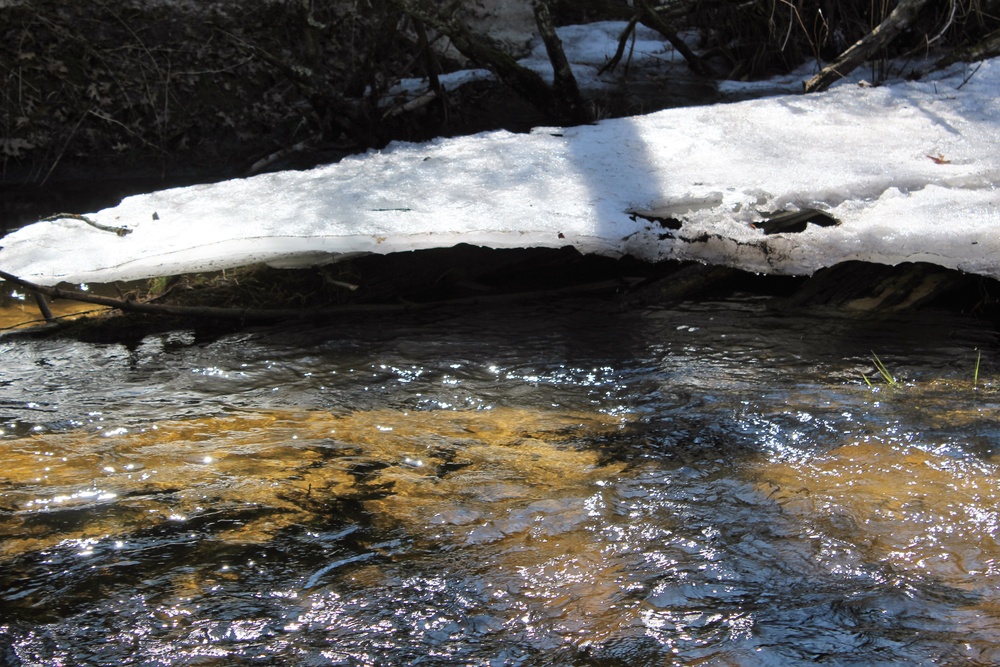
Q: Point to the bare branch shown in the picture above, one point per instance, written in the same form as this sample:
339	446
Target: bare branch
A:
649	17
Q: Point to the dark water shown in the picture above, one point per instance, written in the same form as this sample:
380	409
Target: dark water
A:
551	485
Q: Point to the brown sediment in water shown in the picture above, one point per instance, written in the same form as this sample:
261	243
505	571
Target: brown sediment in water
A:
291	467
916	510
511	481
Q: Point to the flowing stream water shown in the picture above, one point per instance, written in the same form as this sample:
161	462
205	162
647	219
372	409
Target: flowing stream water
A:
552	484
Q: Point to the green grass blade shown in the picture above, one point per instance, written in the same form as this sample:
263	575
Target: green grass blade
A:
883	371
975	375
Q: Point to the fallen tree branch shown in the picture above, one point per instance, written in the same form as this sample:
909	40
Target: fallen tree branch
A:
276	314
988	47
266	161
901	18
208	312
412	105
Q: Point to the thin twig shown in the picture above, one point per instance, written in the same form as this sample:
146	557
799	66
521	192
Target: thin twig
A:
65	146
56	319
107	118
969	76
947	24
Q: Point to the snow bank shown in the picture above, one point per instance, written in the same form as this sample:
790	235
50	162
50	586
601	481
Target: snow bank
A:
910	170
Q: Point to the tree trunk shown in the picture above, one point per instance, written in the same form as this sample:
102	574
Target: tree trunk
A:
566	92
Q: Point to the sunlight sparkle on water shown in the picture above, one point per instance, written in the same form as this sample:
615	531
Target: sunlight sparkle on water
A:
691	506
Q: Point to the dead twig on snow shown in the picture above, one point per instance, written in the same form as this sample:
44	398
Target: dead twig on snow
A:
119	231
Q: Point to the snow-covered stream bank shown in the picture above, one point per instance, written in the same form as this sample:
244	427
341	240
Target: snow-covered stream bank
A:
908	170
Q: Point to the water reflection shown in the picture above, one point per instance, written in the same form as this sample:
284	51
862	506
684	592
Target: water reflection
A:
712	485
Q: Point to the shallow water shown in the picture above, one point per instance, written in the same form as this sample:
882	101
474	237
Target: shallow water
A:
568	485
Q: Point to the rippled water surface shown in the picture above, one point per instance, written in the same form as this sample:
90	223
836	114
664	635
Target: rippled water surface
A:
552	485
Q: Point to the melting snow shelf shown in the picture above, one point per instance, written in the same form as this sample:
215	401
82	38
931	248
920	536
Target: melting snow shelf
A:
908	170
